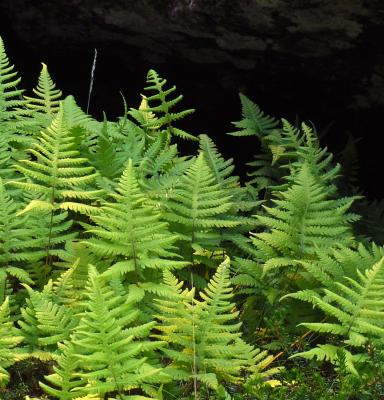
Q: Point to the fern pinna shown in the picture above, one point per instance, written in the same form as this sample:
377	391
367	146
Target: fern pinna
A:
16	240
9	339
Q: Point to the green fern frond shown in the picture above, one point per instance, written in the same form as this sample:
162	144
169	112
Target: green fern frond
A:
105	157
329	352
330	267
63	379
45	322
75	117
204	336
357	309
302	146
47	96
164	117
9	339
254	122
102	349
57	167
303	219
9	94
13	115
197	205
221	169
16	237
130	231
56	175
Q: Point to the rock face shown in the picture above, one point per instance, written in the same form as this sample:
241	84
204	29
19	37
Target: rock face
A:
322	60
204	31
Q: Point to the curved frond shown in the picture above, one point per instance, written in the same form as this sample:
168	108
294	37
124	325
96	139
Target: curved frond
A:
254	122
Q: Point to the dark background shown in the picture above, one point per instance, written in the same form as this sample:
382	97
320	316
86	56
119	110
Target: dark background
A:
315	61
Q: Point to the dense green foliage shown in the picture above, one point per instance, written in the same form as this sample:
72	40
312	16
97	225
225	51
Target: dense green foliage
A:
128	271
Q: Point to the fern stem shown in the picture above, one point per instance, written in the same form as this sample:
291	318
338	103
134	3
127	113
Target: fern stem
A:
194	346
48	258
3	288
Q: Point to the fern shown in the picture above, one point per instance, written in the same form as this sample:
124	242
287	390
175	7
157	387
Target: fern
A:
146	119
75	260
356	311
94	213
9	339
221	169
105	352
302	220
160	168
47	97
254	122
15	237
298	146
105	157
9	94
283	149
330	267
278	259
203	336
13	115
130	232
330	353
45	321
57	177
58	173
164	117
63	380
196	206
242	198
